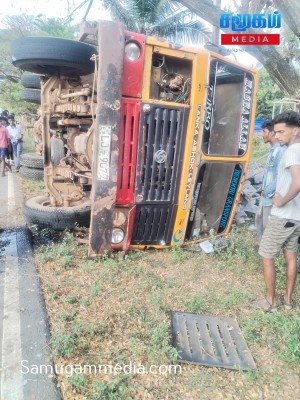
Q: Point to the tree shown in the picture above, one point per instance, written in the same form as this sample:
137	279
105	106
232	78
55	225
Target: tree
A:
290	47
10	98
19	26
267	93
55	27
161	18
279	68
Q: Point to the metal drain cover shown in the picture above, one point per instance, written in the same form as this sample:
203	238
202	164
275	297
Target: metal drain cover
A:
211	341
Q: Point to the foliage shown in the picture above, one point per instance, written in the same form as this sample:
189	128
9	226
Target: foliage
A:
278	66
259	150
10	98
30	25
64	250
268	91
286	326
290	46
20	26
162	18
55	27
115	390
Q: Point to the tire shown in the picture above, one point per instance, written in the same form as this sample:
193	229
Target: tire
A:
31	95
32	173
32	161
38	212
52	56
31	81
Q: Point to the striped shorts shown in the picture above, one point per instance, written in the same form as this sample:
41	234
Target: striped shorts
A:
279	234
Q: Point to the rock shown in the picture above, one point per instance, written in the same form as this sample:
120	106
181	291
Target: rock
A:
251	209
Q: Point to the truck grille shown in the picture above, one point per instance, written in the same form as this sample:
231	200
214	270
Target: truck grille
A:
129	129
153	224
160	153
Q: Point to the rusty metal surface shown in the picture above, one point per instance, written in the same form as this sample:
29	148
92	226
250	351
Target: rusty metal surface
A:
106	143
88	33
211	341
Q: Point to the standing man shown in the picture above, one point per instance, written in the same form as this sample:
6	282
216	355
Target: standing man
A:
283	228
10	154
4	138
16	136
269	179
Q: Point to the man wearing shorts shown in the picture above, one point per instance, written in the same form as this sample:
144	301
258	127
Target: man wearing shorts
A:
283	228
4	137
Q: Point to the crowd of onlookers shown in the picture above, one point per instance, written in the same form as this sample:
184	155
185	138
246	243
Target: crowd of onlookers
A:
11	142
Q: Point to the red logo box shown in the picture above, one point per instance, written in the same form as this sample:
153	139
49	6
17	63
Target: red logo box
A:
261	39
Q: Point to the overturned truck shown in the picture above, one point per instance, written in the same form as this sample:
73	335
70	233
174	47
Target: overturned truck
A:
144	141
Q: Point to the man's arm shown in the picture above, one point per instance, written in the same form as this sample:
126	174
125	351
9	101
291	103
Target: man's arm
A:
20	132
270	189
10	136
294	189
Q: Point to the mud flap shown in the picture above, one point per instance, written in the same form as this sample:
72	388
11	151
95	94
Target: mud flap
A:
106	142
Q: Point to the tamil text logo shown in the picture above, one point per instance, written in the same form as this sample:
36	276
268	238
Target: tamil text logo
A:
240	23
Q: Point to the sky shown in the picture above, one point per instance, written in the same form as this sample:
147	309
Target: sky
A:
61	8
54	8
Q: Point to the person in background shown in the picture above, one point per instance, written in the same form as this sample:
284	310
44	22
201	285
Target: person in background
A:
16	137
269	179
10	153
283	228
4	115
4	137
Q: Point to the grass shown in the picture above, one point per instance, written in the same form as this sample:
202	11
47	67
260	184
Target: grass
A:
116	310
259	150
63	253
28	145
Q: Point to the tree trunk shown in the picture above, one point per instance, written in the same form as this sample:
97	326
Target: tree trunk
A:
279	69
290	12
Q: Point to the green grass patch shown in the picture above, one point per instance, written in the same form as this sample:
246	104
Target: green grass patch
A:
117	389
62	253
281	329
260	150
113	310
28	145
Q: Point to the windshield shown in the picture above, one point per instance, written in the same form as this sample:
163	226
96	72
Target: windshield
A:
228	109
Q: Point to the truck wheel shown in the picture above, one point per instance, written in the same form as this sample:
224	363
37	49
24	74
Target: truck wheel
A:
32	161
37	211
32	173
52	56
31	81
31	95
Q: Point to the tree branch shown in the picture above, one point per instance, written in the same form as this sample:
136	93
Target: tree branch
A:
290	11
279	69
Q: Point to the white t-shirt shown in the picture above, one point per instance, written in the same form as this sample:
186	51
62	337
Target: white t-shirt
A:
291	210
15	132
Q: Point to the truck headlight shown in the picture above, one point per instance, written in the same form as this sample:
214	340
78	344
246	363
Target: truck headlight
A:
117	236
132	51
